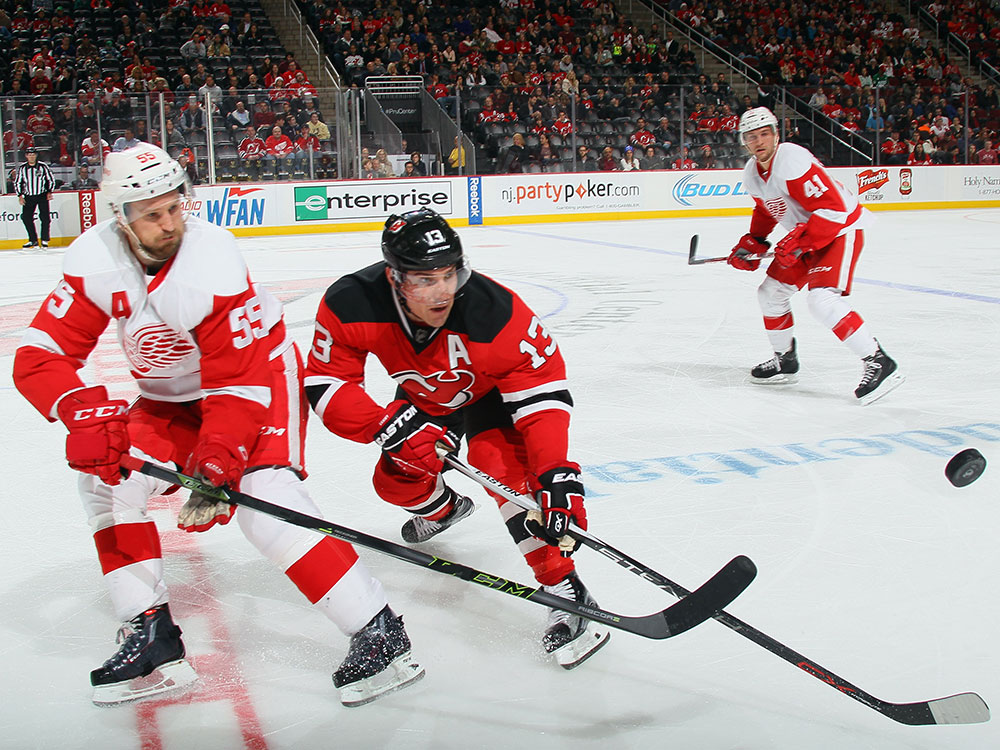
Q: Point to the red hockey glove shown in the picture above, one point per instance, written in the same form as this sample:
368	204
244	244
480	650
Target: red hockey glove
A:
744	255
560	493
409	440
98	432
791	247
218	460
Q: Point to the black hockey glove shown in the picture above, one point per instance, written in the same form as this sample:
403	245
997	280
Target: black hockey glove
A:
560	495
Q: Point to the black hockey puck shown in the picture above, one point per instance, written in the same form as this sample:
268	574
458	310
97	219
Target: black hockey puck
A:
965	467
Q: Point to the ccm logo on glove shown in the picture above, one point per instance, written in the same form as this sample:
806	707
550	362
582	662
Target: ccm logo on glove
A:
100	412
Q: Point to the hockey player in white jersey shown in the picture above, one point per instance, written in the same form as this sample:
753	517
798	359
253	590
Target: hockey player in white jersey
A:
220	396
825	234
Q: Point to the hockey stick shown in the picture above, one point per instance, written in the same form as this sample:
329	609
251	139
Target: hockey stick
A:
712	596
693	261
964	708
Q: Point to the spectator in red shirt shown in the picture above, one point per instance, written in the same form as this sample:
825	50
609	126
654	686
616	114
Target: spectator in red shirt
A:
562	125
921	155
506	46
851	123
24	140
252	150
63	150
40	121
263	116
894	150
304	144
607	161
93	149
40	83
989	154
709	121
642	136
279	148
683	162
728	122
220	10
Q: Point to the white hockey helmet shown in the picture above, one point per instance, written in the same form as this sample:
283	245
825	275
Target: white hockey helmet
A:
137	173
758	117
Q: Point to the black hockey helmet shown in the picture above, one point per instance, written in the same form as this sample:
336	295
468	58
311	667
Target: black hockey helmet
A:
420	240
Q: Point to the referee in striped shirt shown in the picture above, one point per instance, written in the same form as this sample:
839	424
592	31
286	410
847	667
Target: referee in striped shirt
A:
34	183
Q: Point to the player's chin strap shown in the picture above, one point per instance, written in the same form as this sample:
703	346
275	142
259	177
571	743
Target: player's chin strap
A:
136	246
404	316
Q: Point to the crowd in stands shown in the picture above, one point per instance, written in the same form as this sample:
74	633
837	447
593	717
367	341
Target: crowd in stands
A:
529	78
868	68
974	22
517	66
518	62
85	78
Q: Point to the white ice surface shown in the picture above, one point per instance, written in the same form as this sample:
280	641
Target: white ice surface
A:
870	563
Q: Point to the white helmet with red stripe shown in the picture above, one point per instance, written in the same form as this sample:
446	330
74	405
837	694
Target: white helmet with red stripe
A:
756	118
137	173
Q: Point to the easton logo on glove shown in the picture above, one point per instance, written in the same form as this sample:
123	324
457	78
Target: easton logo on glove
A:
410	441
392	424
569	476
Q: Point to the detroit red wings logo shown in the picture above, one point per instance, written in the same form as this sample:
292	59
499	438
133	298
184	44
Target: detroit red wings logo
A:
776	207
156	347
450	388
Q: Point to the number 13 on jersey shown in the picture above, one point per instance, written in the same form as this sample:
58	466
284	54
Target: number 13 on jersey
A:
538	345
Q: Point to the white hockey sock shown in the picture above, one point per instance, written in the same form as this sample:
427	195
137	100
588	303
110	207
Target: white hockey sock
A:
354	600
774	298
830	309
781	340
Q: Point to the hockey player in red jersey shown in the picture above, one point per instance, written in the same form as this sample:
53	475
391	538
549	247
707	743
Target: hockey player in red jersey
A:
469	358
825	225
220	396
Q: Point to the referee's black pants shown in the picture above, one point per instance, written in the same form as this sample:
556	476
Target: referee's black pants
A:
31	202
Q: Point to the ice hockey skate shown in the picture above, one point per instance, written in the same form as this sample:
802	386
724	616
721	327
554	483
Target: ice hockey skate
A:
419	529
149	662
572	639
781	369
378	661
881	376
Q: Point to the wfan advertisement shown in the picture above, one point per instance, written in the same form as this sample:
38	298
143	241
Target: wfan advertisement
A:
269	208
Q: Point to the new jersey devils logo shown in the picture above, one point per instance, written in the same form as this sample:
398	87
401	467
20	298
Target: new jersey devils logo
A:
155	347
450	388
776	207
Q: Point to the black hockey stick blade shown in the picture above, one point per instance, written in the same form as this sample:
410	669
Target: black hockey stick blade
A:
715	594
709	598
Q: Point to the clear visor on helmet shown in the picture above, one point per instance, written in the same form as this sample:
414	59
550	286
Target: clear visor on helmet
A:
432	287
174	204
750	138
